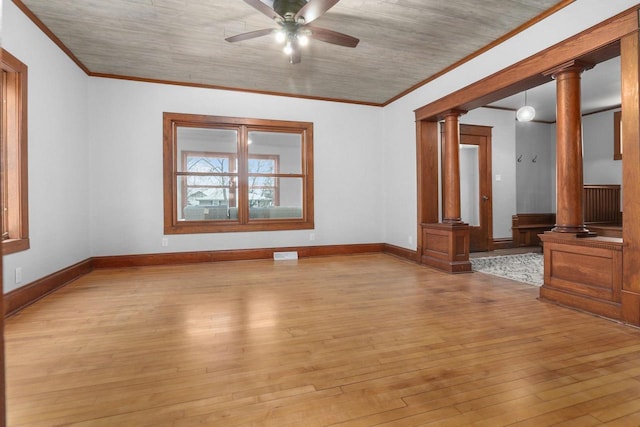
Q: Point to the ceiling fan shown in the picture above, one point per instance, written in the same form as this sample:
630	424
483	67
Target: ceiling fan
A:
294	17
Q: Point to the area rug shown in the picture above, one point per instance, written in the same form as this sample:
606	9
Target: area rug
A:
527	268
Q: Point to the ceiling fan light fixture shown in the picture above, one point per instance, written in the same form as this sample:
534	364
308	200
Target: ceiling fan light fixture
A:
293	17
303	39
288	49
281	36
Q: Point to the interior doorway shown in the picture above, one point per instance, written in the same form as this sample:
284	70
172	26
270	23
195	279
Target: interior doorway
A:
476	203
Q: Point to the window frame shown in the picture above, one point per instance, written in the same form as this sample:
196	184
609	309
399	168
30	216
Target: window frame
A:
171	171
13	146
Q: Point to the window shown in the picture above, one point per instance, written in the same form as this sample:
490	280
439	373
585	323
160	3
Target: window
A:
13	154
234	174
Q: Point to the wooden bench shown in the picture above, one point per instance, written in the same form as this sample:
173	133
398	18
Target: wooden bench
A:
525	227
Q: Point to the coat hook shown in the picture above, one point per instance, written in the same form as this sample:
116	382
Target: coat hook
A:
519	158
535	159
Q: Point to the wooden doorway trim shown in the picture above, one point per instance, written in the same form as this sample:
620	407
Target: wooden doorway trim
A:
596	44
481	136
630	73
428	178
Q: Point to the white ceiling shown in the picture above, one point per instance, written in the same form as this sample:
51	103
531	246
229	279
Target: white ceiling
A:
402	42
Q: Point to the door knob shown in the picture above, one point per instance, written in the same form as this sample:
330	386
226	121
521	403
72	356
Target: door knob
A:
485	198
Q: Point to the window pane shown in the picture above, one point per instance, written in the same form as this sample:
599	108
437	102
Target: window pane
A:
286	147
470	184
216	181
262	165
207	150
271	198
206	163
210	202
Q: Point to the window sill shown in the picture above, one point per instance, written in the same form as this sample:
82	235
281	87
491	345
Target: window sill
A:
11	246
195	227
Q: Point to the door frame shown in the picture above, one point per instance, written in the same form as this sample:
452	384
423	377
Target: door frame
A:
485	185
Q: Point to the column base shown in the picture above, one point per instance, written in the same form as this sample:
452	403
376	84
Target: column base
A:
571	229
446	246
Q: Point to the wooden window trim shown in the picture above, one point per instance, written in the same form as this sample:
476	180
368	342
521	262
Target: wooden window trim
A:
14	141
171	122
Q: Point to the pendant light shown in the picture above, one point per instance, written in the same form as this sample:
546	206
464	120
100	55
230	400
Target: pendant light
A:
526	113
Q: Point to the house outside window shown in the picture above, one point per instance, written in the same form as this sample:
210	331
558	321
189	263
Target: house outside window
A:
234	174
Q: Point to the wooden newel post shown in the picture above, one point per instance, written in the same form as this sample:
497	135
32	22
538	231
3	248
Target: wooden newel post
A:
569	176
451	168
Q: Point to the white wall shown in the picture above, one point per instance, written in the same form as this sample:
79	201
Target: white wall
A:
95	150
597	138
126	167
535	141
57	150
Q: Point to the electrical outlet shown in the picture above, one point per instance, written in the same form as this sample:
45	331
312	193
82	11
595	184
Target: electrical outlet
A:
19	275
165	241
312	236
410	240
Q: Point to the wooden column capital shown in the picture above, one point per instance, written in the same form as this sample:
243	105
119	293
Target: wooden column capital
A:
454	112
570	67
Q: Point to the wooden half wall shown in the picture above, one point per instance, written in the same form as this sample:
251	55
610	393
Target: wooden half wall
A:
583	273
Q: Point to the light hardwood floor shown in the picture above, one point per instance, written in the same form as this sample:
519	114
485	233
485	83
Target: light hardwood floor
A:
352	340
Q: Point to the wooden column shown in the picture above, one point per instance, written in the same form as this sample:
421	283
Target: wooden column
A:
445	245
584	273
451	168
569	177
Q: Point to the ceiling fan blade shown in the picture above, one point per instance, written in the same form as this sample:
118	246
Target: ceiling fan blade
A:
314	9
333	37
249	35
261	7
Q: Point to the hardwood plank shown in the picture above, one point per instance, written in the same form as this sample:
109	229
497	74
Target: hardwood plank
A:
358	340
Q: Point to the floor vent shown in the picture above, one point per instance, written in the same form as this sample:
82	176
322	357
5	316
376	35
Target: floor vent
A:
281	256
